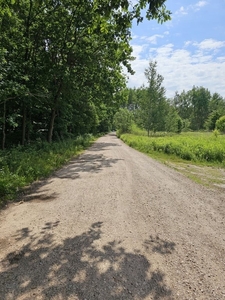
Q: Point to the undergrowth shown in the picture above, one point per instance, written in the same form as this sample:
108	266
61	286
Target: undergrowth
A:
21	166
197	147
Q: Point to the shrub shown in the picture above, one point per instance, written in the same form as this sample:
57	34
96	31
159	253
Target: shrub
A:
220	124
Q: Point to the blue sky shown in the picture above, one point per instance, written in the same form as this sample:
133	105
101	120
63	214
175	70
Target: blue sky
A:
189	49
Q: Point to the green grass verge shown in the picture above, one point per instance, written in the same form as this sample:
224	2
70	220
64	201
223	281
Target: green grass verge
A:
197	147
21	166
199	156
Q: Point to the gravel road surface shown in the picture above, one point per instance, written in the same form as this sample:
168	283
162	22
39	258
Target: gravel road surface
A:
114	224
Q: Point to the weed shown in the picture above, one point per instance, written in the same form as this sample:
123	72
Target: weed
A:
197	147
22	165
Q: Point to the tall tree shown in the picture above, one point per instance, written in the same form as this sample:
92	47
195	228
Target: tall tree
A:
200	102
153	105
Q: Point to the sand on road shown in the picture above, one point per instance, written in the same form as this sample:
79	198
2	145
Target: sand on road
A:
114	224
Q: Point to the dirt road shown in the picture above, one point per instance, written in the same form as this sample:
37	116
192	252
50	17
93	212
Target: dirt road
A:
114	224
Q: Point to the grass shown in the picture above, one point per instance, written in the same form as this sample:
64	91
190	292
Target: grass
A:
197	147
198	155
21	166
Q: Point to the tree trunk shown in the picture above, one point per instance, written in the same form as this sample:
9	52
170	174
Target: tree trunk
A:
3	125
51	125
29	126
24	125
53	112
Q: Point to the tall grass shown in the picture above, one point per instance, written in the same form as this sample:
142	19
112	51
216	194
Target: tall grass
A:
138	131
202	147
22	165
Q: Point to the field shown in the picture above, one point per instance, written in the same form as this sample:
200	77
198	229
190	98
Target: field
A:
202	147
198	155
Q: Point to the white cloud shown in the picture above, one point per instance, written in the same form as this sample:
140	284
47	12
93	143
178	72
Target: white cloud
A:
210	44
200	4
137	50
153	39
182	68
165	51
221	58
193	7
134	37
150	39
187	43
182	11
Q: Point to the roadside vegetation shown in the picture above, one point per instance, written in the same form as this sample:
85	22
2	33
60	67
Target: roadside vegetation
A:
198	155
21	166
185	132
191	146
195	146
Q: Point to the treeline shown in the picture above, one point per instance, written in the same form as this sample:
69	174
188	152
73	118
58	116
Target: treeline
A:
61	65
196	109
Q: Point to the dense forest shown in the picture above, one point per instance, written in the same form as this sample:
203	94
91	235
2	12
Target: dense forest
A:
61	65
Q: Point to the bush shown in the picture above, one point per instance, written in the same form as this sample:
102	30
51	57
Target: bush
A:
220	124
210	123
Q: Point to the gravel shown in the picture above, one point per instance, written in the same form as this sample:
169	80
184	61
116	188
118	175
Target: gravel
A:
114	224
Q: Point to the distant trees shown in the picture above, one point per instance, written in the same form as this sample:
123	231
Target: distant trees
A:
149	106
198	108
123	120
195	109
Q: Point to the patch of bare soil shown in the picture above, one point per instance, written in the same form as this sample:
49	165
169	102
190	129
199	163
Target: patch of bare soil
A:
114	224
212	177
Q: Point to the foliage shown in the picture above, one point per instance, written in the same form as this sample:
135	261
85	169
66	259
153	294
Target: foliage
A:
216	132
189	146
217	103
199	108
61	62
123	121
210	122
153	102
186	125
173	121
22	165
220	124
200	98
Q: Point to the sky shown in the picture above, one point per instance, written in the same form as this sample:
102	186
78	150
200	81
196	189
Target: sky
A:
189	49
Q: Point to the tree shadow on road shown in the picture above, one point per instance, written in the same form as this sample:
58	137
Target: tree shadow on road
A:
156	244
103	146
78	269
86	163
92	163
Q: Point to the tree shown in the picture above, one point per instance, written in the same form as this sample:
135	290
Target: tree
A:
153	105
217	103
173	121
123	120
183	104
220	124
210	122
200	102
